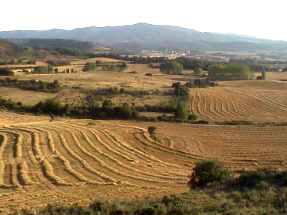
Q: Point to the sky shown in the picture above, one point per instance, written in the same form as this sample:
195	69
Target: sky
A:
263	19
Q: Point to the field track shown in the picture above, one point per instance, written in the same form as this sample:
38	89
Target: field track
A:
73	162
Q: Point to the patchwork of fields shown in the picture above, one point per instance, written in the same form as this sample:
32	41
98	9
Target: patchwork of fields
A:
66	161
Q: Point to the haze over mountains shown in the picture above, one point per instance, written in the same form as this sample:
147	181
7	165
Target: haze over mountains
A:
146	36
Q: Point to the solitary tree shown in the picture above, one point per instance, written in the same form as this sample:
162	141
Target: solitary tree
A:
151	131
263	74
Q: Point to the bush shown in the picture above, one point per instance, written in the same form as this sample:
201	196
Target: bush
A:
6	72
207	172
192	117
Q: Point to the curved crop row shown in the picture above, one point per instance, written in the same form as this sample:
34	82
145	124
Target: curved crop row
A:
120	164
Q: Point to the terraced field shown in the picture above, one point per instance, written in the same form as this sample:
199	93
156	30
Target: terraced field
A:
75	162
260	101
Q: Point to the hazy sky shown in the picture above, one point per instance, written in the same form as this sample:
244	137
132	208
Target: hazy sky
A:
264	19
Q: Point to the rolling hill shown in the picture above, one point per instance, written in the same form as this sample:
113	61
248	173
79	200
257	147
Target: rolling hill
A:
146	36
35	48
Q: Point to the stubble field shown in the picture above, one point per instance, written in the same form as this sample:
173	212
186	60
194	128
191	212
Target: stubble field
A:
78	161
67	161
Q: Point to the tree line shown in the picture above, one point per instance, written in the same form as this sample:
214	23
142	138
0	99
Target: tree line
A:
229	72
42	86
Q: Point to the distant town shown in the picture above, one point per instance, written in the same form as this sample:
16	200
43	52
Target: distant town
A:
178	53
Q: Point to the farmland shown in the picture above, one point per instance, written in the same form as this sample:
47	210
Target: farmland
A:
251	101
67	161
70	161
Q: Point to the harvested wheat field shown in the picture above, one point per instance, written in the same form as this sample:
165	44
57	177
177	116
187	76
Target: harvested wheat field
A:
77	161
259	101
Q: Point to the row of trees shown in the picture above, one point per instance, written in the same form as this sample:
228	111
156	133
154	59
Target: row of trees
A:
43	86
115	67
19	61
58	63
106	111
191	63
43	69
171	67
228	72
135	58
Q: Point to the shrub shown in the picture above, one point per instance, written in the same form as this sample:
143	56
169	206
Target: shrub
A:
192	117
207	172
249	180
6	72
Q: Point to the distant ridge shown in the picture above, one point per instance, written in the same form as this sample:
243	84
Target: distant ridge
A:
147	36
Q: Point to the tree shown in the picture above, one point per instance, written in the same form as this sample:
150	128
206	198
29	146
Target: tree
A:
207	172
126	111
50	69
152	131
229	72
89	66
50	106
107	103
171	67
182	112
263	74
198	71
41	69
181	91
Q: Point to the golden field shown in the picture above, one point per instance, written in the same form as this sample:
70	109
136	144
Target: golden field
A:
67	161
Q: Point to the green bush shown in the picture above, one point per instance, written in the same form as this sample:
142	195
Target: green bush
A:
207	172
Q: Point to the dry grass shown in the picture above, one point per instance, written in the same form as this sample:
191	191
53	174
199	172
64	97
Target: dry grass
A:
112	158
118	158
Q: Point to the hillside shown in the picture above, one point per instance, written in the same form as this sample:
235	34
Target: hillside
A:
43	48
8	48
61	43
146	36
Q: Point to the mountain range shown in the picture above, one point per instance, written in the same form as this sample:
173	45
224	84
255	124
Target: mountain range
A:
147	36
